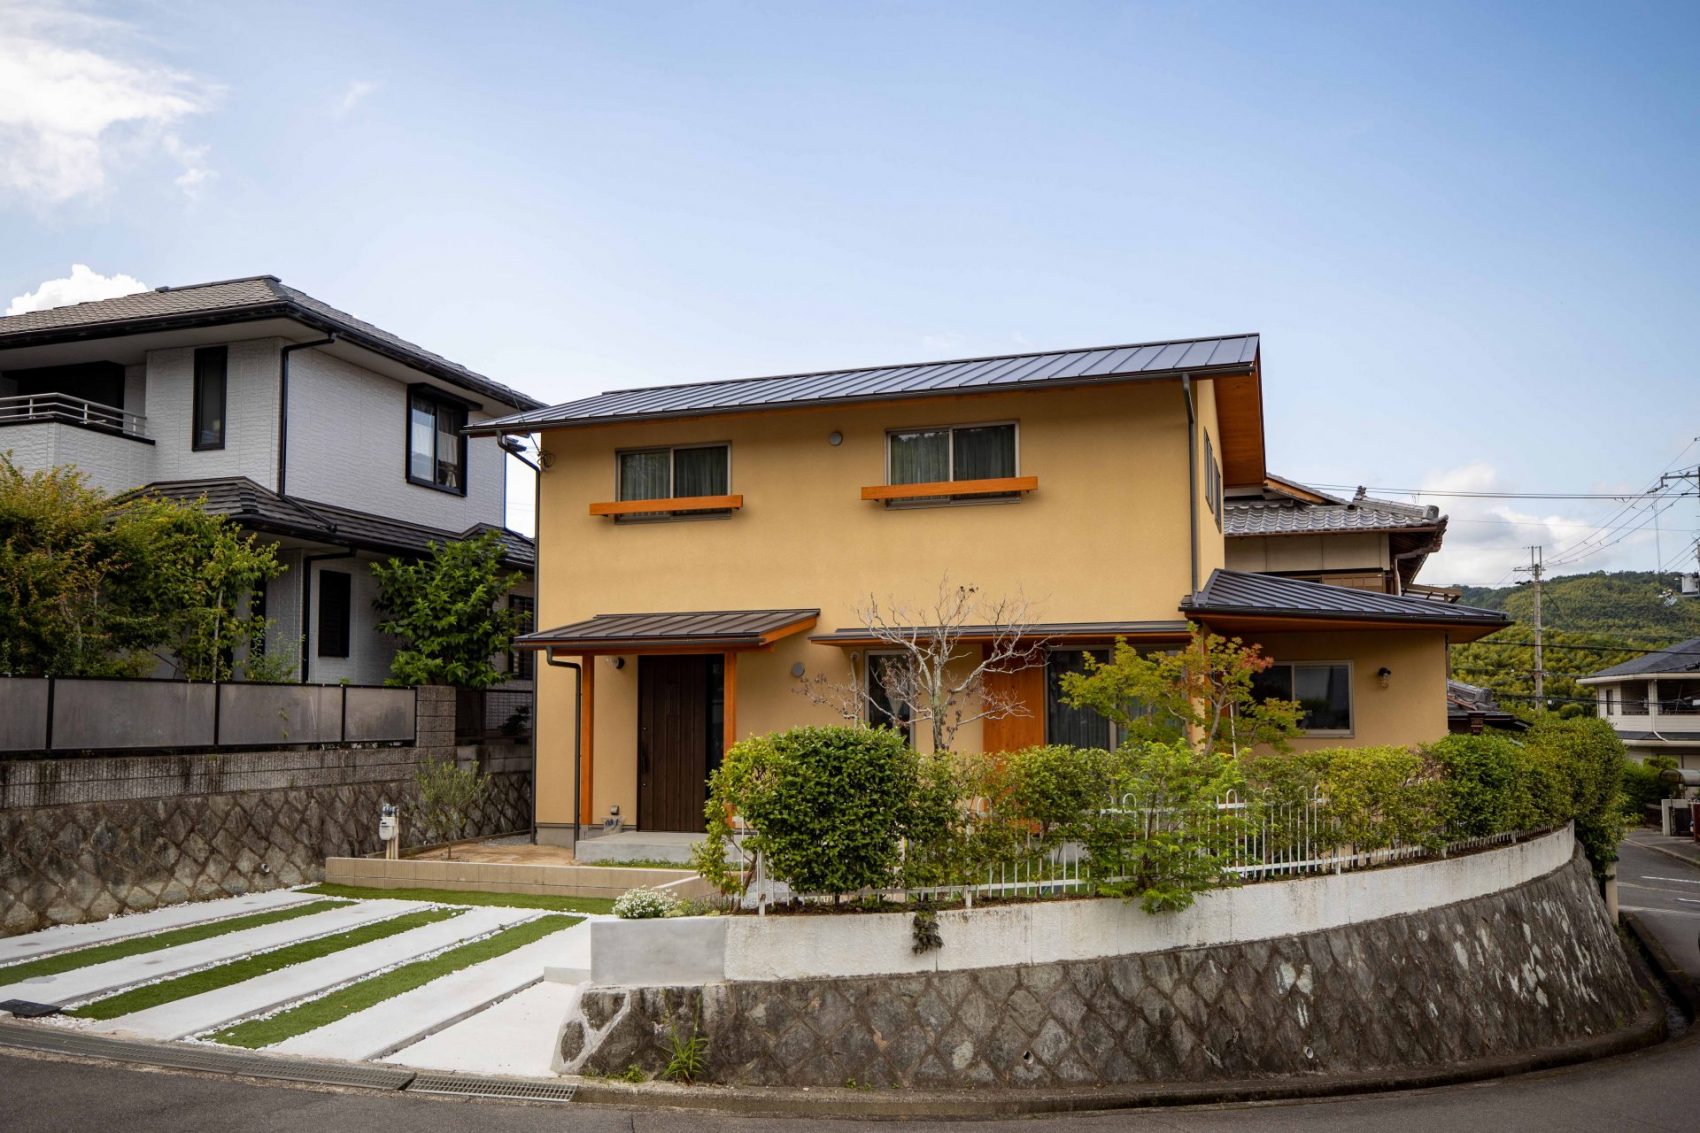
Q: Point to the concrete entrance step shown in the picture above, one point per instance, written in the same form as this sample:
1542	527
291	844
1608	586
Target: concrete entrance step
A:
102	979
414	1015
226	1005
638	845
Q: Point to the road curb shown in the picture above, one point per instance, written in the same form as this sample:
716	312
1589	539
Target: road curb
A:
1693	863
1682	985
1648	1028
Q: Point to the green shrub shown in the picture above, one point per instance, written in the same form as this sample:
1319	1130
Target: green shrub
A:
827	807
1058	788
1383	796
1544	792
1484	787
1589	758
644	903
1163	840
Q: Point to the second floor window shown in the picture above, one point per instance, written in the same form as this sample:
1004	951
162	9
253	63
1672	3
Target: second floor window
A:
211	374
436	452
963	452
670	473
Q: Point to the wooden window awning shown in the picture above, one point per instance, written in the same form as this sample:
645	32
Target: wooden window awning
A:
999	486
669	504
702	631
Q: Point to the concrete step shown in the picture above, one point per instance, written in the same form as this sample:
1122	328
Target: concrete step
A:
223	1006
102	979
637	845
424	1011
63	938
517	1036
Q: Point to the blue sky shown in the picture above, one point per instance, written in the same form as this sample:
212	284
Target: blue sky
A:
1465	231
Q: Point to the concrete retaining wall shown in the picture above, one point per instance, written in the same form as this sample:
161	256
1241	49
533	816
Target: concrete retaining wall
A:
1529	965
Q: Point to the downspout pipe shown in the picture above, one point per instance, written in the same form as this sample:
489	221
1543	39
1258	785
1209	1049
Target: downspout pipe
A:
283	409
307	562
1191	472
578	733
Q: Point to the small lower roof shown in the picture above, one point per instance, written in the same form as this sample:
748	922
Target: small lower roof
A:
1049	631
705	631
1267	600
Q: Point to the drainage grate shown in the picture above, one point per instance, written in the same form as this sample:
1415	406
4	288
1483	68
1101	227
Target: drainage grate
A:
191	1056
471	1086
25	1009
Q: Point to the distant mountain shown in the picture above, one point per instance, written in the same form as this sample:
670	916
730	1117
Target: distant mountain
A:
1592	621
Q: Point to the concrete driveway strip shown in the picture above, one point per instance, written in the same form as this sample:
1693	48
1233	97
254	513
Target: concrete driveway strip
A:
516	1036
409	1017
102	979
63	938
198	1013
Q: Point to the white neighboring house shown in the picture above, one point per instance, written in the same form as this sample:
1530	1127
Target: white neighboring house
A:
337	440
1653	702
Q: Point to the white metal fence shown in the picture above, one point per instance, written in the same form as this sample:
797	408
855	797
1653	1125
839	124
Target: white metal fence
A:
1265	839
63	407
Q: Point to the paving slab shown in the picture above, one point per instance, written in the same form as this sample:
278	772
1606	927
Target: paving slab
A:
197	1013
414	1015
515	1037
63	938
102	979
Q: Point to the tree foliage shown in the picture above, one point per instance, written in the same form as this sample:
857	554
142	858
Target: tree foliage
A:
1201	694
92	587
448	794
447	607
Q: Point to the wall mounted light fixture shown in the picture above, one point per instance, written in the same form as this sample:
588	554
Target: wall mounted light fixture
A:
835	438
1386	676
619	662
797	670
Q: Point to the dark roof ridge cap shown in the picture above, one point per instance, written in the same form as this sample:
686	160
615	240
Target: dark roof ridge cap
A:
932	362
267	277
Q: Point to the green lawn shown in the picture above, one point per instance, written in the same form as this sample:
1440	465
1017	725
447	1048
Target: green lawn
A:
547	902
638	863
316	1013
135	946
259	964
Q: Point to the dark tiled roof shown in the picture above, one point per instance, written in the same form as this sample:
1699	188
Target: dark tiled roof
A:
1279	513
239	300
1271	596
707	629
1235	353
262	509
1104	631
1683	657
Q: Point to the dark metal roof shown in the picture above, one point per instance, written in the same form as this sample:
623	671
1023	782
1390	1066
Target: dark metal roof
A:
262	509
704	629
1676	737
1683	657
1202	356
1244	593
1106	631
238	300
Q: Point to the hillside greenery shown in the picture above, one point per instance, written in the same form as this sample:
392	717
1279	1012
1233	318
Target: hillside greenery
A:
1592	621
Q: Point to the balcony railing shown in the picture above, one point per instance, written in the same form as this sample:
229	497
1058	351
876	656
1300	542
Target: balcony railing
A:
62	407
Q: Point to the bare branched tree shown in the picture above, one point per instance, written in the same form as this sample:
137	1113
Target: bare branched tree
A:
934	675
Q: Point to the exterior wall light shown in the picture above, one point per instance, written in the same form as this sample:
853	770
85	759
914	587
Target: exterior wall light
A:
835	438
1386	676
797	670
620	663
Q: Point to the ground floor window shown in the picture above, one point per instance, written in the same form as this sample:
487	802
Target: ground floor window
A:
1323	690
884	708
1065	724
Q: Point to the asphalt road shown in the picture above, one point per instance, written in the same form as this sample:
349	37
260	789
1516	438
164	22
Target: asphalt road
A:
1655	1089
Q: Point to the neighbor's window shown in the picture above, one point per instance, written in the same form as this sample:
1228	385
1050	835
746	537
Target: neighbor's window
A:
675	473
1634	695
436	452
1212	480
334	612
522	663
211	374
1323	690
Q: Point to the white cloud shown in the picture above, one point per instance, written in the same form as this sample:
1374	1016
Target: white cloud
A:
83	285
1487	538
76	100
354	95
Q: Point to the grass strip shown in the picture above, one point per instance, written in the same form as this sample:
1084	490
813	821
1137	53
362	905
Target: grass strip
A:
316	1013
135	946
546	901
250	967
637	863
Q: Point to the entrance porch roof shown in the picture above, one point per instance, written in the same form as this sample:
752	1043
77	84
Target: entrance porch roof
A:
696	631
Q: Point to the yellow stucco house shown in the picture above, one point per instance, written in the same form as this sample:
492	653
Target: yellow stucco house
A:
702	550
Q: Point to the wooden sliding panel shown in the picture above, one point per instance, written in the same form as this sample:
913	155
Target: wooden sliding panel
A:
951	488
1012	733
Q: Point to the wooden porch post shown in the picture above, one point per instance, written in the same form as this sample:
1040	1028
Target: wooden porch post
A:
729	704
587	742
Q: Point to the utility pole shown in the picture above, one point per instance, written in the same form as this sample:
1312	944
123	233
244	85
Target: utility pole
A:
1685	476
1534	570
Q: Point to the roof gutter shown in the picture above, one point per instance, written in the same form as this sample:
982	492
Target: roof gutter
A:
283	407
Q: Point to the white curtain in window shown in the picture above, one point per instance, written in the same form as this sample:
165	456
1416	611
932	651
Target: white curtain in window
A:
645	475
920	457
985	452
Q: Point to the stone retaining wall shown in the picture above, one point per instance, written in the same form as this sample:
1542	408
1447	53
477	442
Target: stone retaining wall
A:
86	837
1523	969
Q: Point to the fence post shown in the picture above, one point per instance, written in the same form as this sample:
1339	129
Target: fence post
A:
47	737
218	709
342	728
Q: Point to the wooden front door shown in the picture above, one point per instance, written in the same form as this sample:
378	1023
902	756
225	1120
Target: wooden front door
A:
680	701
